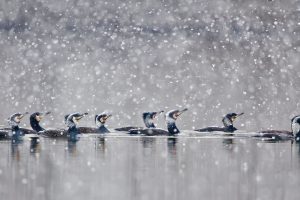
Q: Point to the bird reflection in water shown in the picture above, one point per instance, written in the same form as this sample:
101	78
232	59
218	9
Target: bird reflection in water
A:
172	145
228	143
72	149
72	140
298	146
100	144
147	142
35	147
15	151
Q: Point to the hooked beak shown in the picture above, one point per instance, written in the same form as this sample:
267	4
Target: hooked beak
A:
240	114
18	118
41	116
79	118
181	111
234	118
177	114
106	117
22	115
157	113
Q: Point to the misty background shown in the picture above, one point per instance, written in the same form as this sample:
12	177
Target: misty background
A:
127	57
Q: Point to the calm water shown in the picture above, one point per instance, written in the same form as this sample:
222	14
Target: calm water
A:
122	167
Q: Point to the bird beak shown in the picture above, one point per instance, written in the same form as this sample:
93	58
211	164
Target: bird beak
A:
47	113
107	116
179	113
23	115
234	118
182	111
103	119
240	114
79	118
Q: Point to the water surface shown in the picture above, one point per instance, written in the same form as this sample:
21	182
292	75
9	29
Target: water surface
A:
124	167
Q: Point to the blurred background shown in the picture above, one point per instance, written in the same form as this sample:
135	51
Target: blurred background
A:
127	57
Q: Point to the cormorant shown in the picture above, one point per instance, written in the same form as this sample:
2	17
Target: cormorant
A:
72	121
282	134
171	118
35	119
14	121
100	122
228	124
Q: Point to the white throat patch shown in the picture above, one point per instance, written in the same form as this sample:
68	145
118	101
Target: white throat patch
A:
227	122
98	123
295	126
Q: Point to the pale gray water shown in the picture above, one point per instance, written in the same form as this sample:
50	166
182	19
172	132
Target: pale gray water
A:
116	167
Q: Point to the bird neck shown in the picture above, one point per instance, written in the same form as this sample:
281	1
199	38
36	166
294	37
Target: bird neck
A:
15	129
172	128
100	124
16	133
230	129
35	125
73	129
297	137
103	129
295	128
149	123
228	124
71	124
73	132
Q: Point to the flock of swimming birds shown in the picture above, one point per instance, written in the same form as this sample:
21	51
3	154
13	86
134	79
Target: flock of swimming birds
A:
72	133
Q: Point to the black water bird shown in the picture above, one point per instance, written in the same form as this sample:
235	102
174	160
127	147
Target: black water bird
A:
227	122
72	121
17	132
148	118
171	118
100	121
283	134
35	120
14	121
